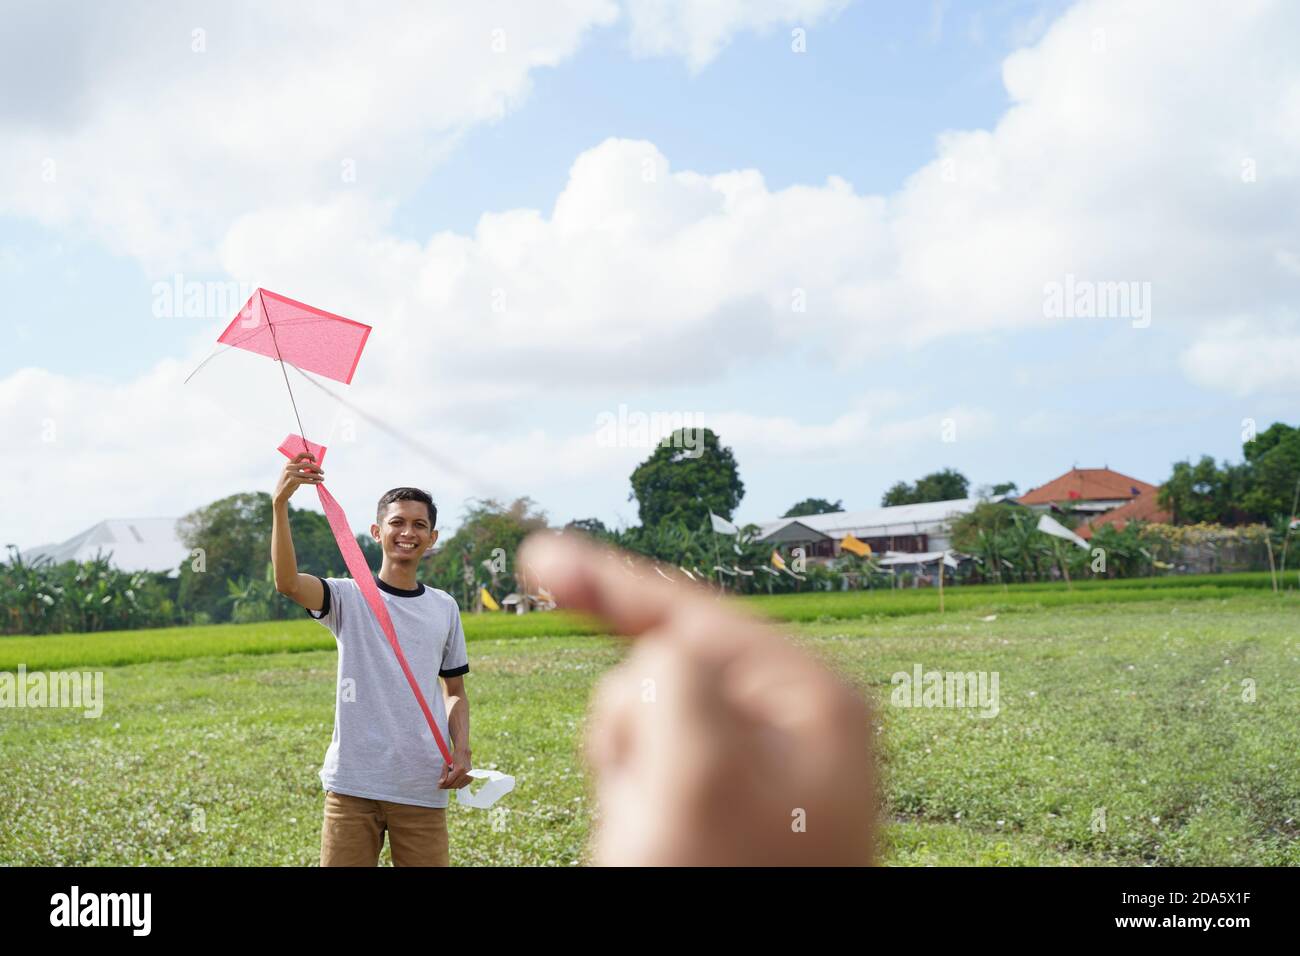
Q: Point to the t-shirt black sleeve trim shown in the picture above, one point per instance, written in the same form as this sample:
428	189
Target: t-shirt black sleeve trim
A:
454	671
325	605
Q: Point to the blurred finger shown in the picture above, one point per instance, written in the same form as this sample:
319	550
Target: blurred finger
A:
624	591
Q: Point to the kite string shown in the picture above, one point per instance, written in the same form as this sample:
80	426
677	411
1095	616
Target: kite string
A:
302	432
491	487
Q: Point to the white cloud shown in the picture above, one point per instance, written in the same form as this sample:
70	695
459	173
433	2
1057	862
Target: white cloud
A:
1116	164
1123	157
1136	149
152	127
187	115
698	31
638	276
860	431
1243	357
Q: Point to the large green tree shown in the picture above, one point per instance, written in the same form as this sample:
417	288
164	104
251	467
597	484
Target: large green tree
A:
937	486
1261	488
234	534
482	551
1205	492
682	482
1273	459
813	506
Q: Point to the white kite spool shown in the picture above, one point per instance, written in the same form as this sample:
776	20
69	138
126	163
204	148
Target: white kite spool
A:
497	786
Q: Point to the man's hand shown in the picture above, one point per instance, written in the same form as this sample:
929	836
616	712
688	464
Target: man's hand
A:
302	470
716	742
457	775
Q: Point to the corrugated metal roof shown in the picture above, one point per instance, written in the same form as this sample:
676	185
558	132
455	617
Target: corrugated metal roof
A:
137	544
922	518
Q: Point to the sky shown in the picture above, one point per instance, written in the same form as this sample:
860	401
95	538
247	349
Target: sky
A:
861	241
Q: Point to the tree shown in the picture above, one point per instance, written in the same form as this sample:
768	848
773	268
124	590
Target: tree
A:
234	534
1273	460
683	484
899	493
1203	492
592	526
813	506
372	551
988	532
1005	488
482	550
937	486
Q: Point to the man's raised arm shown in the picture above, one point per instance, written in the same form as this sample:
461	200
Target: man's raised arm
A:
304	589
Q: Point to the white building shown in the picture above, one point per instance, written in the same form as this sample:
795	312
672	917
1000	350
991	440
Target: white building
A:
136	544
912	529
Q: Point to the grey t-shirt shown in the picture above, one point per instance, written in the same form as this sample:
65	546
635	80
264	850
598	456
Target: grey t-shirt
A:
382	747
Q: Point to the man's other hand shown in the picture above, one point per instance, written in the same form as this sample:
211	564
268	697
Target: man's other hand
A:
457	775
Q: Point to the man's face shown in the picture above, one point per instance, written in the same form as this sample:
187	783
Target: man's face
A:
404	533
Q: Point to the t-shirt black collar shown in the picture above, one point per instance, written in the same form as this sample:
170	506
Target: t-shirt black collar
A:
400	592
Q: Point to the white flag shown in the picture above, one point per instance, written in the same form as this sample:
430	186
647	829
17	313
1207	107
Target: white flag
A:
722	525
1049	525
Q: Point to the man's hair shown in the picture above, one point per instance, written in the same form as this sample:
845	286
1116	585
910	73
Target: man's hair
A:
407	494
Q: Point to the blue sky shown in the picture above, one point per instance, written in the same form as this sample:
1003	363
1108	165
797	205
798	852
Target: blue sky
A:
879	85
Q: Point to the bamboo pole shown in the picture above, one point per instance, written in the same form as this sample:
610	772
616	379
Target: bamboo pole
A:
1286	539
1061	564
941	554
1272	571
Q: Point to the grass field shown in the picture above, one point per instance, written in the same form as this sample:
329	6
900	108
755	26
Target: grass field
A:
1130	707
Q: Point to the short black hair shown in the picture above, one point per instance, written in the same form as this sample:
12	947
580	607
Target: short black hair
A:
407	494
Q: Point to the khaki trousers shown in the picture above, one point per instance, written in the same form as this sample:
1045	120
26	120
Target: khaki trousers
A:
353	832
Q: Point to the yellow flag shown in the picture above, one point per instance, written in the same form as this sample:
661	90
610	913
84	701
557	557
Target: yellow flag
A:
778	562
854	546
488	601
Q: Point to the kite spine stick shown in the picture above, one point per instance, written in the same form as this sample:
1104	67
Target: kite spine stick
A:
302	432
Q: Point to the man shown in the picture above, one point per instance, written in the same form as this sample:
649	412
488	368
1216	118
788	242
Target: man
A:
383	771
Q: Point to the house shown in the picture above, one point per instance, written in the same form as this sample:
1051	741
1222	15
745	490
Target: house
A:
136	544
1087	492
1142	508
909	529
514	603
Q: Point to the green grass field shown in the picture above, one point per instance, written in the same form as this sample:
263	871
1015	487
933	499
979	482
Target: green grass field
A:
1125	702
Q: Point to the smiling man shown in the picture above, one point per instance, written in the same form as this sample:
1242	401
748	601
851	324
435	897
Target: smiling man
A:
382	771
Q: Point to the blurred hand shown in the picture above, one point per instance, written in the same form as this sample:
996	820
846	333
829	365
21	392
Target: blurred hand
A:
717	742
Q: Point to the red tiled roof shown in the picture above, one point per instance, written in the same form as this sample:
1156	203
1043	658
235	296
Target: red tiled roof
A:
1086	484
1142	508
